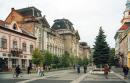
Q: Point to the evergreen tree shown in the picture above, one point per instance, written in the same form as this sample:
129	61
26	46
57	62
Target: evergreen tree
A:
112	61
101	49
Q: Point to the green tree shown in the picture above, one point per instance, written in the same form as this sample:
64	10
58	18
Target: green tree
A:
72	60
101	49
47	58
85	61
37	57
55	61
112	61
65	60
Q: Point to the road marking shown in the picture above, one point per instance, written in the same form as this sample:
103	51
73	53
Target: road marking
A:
81	78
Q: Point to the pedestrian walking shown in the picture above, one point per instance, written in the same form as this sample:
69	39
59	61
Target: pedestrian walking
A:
106	70
85	68
125	71
28	70
78	68
38	71
42	72
17	70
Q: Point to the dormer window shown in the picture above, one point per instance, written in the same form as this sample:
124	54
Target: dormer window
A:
58	26
14	26
129	13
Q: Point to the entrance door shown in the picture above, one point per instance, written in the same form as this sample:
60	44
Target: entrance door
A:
14	63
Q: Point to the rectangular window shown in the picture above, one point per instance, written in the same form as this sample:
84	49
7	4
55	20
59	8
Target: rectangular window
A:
129	13
31	48
24	46
14	44
4	43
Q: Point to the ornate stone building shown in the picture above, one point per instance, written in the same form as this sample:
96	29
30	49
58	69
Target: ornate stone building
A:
31	20
70	36
16	46
84	50
57	39
122	38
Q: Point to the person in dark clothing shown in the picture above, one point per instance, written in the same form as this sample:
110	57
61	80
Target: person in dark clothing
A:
29	68
125	71
85	68
78	68
17	70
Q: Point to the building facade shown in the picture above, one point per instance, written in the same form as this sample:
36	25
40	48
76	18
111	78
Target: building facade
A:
58	39
16	46
70	36
84	50
122	39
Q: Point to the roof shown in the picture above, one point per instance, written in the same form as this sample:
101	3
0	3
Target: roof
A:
124	27
30	11
16	32
2	22
62	24
83	43
127	5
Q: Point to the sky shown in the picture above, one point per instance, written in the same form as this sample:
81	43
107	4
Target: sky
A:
86	15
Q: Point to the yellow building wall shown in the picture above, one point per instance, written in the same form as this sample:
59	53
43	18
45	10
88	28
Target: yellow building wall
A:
128	58
128	64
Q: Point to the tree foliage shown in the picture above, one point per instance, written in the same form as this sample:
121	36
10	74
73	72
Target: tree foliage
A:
37	57
65	59
112	61
101	49
47	58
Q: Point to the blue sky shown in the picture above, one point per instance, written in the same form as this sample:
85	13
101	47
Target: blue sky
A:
86	15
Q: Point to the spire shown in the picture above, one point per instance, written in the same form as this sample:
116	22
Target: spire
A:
128	5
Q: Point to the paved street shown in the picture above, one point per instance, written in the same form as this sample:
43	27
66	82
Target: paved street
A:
65	76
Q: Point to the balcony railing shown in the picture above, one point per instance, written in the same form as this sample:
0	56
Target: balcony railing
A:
16	51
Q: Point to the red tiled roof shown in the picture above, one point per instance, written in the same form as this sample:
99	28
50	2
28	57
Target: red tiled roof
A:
124	27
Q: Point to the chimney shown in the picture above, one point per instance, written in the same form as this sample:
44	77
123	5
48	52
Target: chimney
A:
12	9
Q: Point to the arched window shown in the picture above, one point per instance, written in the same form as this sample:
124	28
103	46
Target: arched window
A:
24	46
14	26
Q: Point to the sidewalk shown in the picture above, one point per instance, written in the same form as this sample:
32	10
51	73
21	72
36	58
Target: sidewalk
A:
119	71
24	75
21	76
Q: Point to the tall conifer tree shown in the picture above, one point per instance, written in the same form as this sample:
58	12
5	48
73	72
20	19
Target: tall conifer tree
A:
101	49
